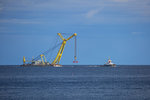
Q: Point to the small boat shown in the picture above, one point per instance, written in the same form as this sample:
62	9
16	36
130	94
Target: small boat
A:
109	63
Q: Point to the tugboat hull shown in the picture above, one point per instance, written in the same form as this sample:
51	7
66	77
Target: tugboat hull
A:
110	65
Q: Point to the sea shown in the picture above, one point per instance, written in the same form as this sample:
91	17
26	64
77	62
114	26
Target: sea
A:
75	82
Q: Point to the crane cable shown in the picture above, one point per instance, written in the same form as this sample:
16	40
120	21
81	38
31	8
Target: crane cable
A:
75	51
50	50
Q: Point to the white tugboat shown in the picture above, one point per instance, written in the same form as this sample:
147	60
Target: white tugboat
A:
109	63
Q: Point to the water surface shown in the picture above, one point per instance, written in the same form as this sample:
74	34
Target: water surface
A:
75	83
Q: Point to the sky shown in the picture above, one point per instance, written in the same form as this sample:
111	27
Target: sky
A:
119	29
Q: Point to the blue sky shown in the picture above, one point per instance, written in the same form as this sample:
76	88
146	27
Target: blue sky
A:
106	28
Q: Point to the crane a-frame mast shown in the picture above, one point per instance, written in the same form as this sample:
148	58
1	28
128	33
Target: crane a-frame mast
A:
59	54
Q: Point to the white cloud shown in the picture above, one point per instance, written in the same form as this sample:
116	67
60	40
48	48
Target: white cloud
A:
92	13
137	33
19	21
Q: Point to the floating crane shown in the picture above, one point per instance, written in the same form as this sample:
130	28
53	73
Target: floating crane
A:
56	61
59	54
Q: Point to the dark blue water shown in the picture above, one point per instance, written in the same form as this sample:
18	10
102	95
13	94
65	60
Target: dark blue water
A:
75	83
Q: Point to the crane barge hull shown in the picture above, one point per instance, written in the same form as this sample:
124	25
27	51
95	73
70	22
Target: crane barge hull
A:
56	65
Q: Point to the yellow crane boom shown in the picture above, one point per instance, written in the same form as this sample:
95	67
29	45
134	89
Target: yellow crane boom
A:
59	54
43	61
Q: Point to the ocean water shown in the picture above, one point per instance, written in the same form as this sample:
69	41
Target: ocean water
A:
75	83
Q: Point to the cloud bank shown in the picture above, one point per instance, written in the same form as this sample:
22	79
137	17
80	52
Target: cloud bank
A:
96	11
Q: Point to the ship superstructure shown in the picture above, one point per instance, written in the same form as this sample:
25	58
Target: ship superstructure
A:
109	63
